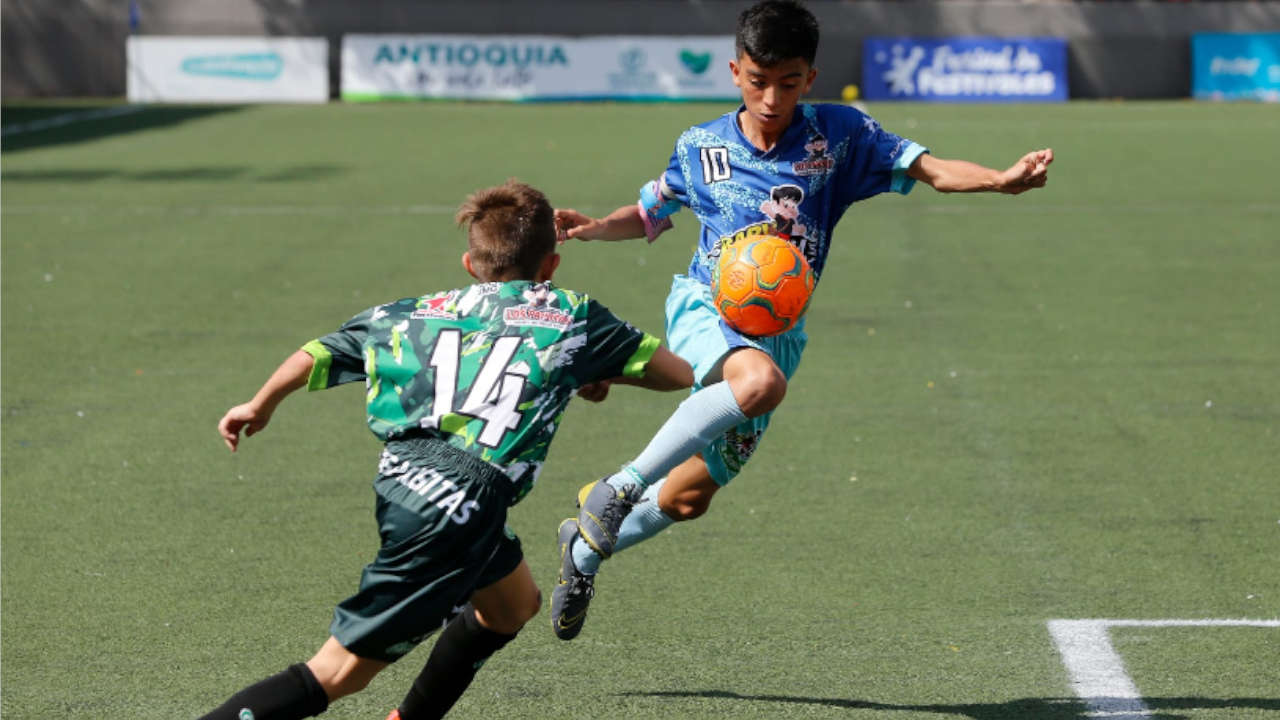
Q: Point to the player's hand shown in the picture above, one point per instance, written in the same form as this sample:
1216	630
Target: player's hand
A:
595	392
573	224
1031	171
246	417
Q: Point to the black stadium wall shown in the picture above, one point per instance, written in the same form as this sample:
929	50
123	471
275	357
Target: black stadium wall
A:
75	48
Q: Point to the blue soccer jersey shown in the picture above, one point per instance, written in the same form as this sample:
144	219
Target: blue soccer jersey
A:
830	157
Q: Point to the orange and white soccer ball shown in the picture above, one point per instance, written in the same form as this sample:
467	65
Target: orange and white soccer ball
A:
762	285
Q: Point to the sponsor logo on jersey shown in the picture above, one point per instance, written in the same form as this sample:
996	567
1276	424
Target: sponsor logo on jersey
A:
437	306
818	162
769	227
533	316
430	484
539	312
752	230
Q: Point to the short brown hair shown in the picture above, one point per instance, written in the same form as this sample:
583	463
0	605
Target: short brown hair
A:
511	229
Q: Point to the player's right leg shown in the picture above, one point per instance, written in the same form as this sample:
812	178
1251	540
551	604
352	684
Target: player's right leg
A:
753	385
725	419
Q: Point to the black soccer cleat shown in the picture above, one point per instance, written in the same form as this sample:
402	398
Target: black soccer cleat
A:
573	591
602	508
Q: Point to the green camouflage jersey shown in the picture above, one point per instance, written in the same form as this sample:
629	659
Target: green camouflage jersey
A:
490	368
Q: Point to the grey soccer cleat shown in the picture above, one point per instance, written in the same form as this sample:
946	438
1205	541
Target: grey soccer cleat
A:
574	590
602	508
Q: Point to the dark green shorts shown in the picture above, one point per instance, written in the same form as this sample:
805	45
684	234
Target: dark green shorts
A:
442	519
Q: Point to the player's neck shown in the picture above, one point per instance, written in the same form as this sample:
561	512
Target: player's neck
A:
762	138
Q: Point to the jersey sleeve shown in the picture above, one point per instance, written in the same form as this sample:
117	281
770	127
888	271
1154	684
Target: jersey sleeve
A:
614	348
674	185
878	160
339	356
664	197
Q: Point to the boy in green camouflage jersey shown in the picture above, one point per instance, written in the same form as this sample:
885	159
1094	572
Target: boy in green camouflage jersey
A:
466	388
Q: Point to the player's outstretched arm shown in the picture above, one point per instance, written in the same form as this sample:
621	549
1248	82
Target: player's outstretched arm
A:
255	414
1029	172
665	371
624	223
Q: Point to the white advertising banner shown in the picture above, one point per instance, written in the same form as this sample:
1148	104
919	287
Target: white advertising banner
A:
227	69
537	67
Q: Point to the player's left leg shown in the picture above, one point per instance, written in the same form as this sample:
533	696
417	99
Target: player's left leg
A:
492	619
303	690
341	672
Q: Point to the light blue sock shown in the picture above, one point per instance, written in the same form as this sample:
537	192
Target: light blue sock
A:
701	418
644	521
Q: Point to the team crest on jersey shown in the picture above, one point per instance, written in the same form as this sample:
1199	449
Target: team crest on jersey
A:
540	312
738	448
818	162
437	306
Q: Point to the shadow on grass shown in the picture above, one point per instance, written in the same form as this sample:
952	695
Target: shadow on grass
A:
36	125
1023	709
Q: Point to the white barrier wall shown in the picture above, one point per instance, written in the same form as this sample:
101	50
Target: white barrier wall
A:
227	69
537	67
1115	49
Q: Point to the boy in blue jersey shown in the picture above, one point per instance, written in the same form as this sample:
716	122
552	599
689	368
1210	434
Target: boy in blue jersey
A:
772	166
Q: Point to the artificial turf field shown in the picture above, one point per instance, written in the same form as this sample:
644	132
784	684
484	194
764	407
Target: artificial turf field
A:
1059	406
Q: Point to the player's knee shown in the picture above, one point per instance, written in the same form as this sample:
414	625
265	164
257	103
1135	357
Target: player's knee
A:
510	619
686	505
532	607
760	389
343	682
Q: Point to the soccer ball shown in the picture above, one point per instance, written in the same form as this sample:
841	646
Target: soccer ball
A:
761	285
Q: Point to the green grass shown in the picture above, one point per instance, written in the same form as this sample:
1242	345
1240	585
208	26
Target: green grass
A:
1060	405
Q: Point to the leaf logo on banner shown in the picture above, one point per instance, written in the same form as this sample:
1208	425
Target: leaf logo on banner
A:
696	63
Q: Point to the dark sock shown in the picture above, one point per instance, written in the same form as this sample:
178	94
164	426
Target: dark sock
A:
462	648
290	695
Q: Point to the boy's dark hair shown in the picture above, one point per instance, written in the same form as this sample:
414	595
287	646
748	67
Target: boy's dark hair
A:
787	192
775	31
511	229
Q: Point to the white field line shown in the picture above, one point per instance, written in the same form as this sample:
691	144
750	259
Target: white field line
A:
1097	672
69	119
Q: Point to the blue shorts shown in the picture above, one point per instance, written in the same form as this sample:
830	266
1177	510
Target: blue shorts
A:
696	332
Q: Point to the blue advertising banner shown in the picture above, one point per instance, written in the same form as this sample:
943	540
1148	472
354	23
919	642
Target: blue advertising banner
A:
970	69
1235	66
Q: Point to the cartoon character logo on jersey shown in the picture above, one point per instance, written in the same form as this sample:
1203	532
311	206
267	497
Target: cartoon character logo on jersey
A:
540	312
818	162
440	305
783	205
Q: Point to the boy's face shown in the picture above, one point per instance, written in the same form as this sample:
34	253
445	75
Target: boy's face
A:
772	93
